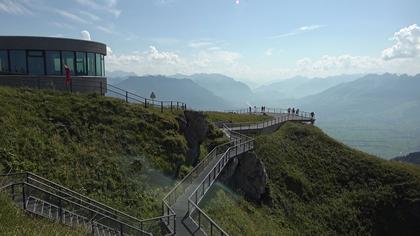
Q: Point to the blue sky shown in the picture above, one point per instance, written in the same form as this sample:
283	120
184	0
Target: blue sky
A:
251	40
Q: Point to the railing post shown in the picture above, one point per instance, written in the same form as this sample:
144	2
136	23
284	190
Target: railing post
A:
23	196
174	224
126	96
199	219
13	192
161	106
145	102
171	105
196	197
60	210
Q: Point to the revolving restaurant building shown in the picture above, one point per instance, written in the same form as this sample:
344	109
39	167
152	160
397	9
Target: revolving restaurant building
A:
38	62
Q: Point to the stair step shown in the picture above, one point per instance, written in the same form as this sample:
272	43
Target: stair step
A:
45	209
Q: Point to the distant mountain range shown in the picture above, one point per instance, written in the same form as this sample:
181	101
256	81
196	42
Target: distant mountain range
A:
413	158
166	88
298	87
374	113
236	93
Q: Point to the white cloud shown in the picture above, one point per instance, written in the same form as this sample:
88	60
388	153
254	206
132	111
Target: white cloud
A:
85	35
109	6
108	30
299	30
155	61
70	16
269	52
162	57
90	15
200	44
14	8
407	44
348	64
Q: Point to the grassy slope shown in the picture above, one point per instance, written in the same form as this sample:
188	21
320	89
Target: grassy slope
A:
232	117
14	222
321	187
102	147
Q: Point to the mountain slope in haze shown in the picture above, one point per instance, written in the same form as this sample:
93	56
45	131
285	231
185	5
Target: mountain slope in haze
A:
298	87
115	77
413	158
183	90
319	186
233	91
376	113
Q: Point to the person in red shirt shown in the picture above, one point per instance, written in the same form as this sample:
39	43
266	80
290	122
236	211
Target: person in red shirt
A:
68	74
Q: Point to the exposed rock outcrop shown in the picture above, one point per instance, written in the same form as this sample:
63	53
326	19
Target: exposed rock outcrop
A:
195	128
247	173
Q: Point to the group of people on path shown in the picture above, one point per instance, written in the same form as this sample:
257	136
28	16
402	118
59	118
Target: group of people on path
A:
296	111
263	109
293	111
289	110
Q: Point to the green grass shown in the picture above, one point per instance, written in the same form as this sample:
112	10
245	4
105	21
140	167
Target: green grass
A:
235	118
321	187
121	154
15	222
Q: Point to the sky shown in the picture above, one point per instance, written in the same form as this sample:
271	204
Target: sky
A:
251	40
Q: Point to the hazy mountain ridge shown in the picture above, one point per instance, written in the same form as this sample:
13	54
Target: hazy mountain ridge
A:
376	113
235	92
413	158
298	87
167	88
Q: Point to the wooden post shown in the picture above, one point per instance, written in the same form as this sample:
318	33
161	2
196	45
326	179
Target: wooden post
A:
145	102
171	105
126	96
161	106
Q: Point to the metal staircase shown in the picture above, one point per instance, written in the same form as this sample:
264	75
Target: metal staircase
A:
43	198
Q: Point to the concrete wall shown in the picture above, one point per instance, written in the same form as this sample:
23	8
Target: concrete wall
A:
83	84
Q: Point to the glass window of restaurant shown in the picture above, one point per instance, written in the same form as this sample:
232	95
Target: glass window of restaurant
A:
103	64
36	63
4	62
53	62
91	63
98	65
17	61
81	63
68	59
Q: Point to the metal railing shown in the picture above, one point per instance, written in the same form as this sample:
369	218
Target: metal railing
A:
241	144
150	224
100	87
113	91
268	110
306	117
22	191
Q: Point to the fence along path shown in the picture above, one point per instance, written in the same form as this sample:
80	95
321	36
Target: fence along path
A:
181	214
184	199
